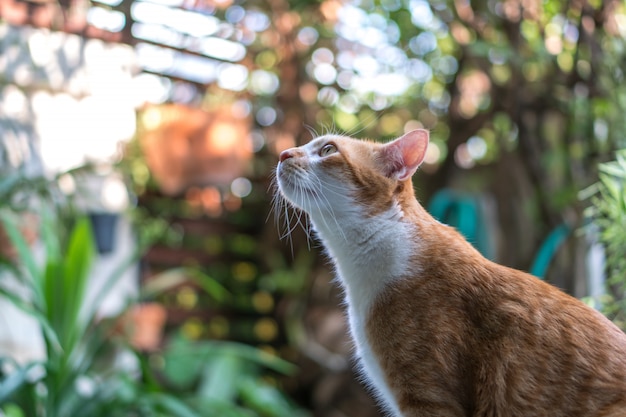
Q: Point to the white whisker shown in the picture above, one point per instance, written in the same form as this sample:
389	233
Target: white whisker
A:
311	130
321	185
364	124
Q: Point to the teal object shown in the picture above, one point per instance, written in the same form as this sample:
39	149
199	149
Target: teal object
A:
463	212
548	249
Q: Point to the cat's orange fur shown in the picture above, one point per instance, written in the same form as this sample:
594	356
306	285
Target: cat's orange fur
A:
440	330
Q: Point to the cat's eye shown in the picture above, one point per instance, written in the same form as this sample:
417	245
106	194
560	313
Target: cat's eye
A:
328	149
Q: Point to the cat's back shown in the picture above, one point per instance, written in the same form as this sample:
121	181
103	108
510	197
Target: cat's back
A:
537	349
473	338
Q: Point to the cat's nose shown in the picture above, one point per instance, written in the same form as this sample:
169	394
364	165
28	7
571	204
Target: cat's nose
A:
285	155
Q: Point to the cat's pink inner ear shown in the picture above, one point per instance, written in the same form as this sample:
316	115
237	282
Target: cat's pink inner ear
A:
404	155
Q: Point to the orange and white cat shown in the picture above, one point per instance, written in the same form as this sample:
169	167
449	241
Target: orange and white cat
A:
440	330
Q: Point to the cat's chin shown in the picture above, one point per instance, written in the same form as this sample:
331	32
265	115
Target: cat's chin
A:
297	194
303	201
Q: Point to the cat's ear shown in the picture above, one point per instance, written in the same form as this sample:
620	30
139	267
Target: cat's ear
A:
403	156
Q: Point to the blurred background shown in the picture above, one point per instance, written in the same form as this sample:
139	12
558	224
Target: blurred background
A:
143	272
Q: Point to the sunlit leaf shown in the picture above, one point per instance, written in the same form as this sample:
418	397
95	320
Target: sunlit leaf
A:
173	278
220	377
76	267
12	410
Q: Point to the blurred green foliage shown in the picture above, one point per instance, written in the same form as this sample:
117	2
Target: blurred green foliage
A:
81	373
522	100
551	73
54	293
90	367
608	212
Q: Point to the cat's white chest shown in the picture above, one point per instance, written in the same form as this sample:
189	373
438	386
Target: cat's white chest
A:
369	257
371	366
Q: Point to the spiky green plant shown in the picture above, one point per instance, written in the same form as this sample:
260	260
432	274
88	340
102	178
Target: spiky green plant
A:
54	293
608	212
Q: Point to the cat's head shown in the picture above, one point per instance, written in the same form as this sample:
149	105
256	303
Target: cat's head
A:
337	174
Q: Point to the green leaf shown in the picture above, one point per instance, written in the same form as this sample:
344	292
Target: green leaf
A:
212	407
53	295
15	381
50	236
175	277
206	350
220	378
258	356
31	310
613	169
12	410
172	405
7	184
611	189
76	267
181	363
211	286
267	400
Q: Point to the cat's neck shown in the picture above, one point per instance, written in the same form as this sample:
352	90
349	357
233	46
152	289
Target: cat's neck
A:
371	250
